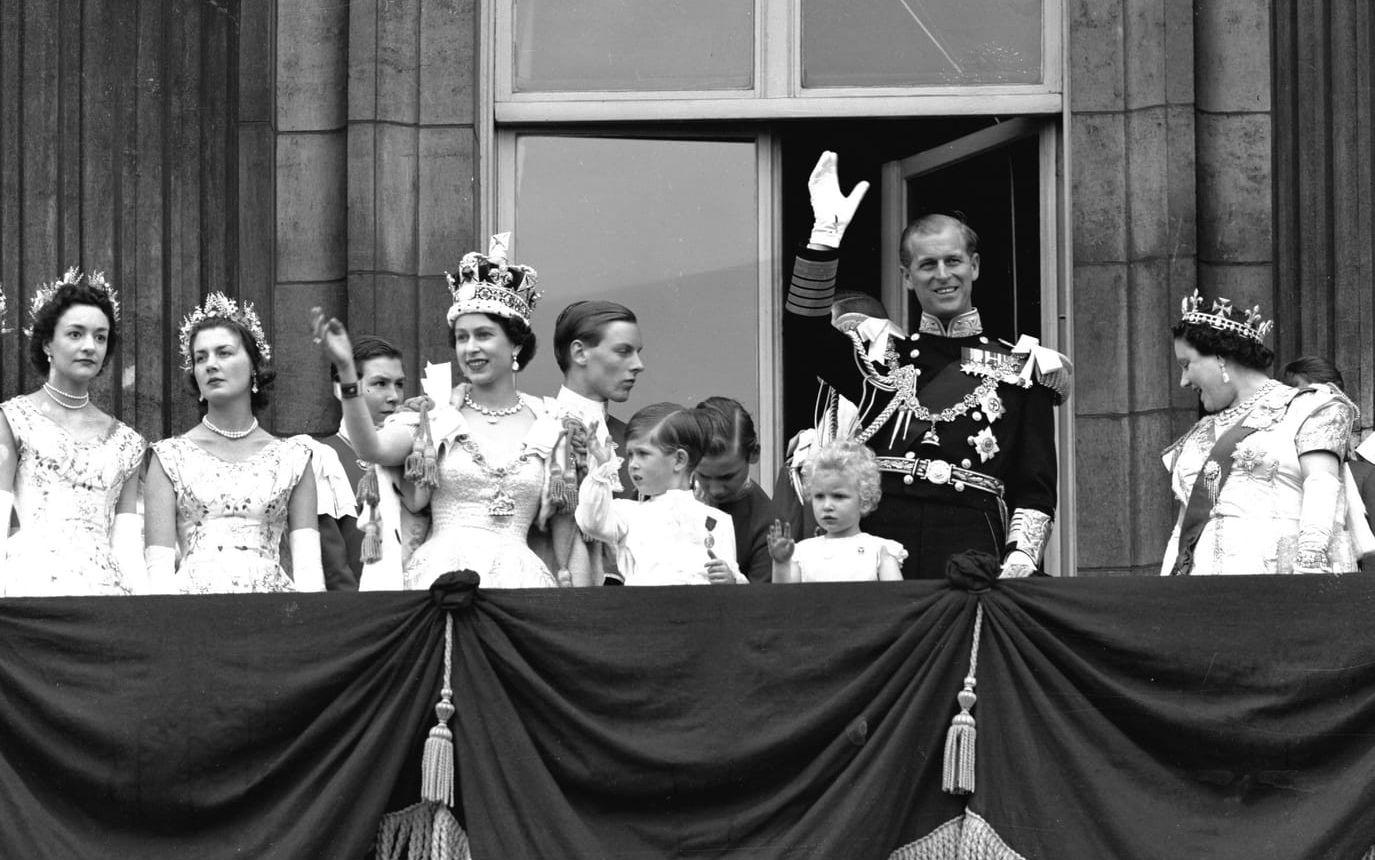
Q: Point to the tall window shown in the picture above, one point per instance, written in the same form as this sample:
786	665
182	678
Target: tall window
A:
655	152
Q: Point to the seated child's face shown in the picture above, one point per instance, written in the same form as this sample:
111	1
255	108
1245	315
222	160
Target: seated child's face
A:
835	502
652	470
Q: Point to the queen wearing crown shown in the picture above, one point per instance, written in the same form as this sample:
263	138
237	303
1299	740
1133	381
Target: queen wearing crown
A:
222	495
483	453
74	484
1258	477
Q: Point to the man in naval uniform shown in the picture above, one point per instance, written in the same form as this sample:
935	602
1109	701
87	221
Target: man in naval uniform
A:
962	424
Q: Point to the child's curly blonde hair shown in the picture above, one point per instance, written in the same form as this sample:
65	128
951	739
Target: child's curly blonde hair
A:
851	459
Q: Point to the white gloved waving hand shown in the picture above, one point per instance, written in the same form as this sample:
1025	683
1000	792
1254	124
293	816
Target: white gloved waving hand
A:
831	210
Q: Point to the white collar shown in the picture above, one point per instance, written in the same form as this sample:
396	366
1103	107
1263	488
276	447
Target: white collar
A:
588	409
1367	449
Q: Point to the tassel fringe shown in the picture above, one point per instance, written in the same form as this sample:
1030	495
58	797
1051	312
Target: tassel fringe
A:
371	551
368	491
428	830
437	764
422	464
370	496
422	831
968	837
960	741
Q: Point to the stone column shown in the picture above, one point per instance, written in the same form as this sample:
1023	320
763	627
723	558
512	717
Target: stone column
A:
311	234
1235	190
411	155
1132	137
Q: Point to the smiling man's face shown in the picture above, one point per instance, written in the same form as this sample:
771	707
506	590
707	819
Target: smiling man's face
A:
942	272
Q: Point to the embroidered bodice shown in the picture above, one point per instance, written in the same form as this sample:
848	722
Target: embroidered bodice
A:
64	485
65	493
232	513
1253	525
476	493
482	509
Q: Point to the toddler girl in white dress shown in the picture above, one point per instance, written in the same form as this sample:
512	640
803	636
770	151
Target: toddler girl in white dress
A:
842	482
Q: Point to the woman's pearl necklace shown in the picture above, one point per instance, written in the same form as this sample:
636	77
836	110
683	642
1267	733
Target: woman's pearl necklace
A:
492	414
229	434
57	394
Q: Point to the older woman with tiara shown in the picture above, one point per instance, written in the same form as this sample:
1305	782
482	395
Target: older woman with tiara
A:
69	470
1258	477
226	490
482	453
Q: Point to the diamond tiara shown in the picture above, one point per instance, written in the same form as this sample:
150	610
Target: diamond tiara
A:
1250	325
219	306
47	292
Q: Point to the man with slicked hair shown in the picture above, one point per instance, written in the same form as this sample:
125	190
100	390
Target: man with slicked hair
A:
597	346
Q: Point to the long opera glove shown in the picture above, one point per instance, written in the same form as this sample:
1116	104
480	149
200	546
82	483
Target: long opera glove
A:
1317	516
306	568
126	542
161	562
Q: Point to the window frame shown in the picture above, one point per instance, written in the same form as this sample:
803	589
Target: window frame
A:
777	92
777	97
769	307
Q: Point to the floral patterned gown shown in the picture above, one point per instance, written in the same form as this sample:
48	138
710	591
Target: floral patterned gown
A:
231	515
1254	524
65	492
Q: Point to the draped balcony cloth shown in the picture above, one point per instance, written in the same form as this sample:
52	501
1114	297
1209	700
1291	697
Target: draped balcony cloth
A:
1117	718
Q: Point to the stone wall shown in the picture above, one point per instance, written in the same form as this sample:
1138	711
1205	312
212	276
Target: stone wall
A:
1171	190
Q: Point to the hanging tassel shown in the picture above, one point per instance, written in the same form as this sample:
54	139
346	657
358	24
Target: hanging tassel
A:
429	455
422	464
437	764
368	492
415	461
960	741
428	830
369	497
558	490
371	550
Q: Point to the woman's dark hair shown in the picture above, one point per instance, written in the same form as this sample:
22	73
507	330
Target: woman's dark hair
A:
670	427
263	372
45	325
517	332
1313	368
1224	344
732	428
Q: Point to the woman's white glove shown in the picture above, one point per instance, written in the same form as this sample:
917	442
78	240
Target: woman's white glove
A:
831	210
306	568
126	543
161	564
1317	516
6	507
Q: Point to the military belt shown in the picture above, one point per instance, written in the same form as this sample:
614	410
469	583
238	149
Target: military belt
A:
940	472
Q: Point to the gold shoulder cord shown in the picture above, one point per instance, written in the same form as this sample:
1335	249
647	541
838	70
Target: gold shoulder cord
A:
902	383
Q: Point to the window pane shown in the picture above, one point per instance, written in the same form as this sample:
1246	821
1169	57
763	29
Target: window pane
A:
633	45
668	228
907	43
